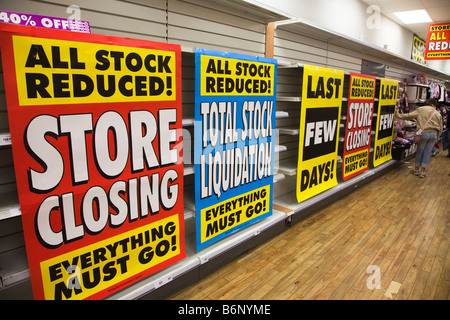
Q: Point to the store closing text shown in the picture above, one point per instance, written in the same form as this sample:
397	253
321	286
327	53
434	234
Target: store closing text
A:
114	148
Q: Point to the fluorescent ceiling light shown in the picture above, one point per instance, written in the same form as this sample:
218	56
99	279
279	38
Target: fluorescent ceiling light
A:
414	16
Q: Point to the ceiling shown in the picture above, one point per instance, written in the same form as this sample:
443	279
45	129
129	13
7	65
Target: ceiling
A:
438	10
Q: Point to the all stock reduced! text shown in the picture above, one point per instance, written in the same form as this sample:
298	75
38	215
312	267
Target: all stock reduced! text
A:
58	72
225	76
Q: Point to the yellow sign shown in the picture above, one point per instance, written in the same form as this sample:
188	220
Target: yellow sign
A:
355	162
219	218
363	88
105	264
319	130
66	72
385	121
418	50
229	77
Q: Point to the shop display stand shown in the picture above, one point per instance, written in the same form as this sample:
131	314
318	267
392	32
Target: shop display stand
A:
286	211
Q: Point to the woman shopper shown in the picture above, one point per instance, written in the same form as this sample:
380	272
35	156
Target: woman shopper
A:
430	133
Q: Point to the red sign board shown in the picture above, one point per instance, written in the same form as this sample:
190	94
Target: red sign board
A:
96	136
438	41
359	125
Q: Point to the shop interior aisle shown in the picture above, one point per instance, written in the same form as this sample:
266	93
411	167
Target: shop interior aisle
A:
395	229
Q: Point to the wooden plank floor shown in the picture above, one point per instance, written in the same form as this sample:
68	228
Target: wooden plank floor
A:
397	226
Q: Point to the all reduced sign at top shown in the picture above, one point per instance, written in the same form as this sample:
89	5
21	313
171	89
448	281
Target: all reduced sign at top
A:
234	142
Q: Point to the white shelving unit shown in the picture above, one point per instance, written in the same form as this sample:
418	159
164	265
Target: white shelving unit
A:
18	265
416	92
190	268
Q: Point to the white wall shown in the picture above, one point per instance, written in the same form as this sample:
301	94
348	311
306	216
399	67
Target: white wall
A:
443	65
353	19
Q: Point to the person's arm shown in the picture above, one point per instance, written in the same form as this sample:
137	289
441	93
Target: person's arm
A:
406	116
